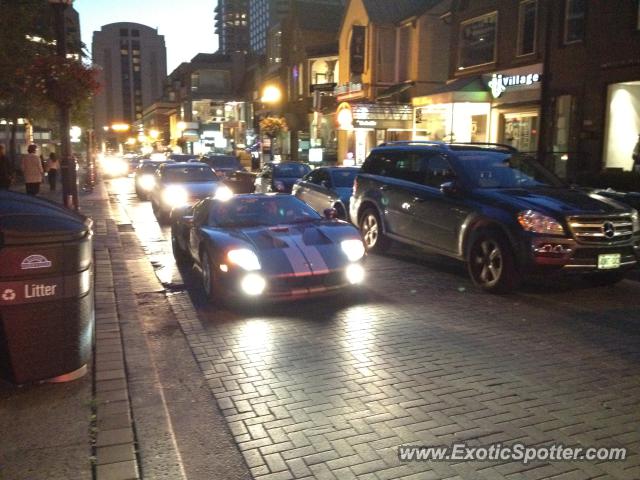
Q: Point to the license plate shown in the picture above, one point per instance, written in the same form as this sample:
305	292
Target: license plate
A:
609	261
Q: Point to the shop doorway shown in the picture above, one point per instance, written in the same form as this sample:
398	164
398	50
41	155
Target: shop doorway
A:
520	130
622	124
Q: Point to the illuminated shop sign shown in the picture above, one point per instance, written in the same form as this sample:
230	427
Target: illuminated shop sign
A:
500	83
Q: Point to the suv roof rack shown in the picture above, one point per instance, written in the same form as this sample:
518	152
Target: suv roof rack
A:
413	142
485	144
449	144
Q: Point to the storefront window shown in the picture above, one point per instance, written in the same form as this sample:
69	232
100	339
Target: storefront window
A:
521	131
527	27
574	18
622	124
453	122
477	45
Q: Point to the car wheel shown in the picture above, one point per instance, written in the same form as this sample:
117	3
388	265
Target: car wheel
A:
371	230
208	277
179	253
604	279
491	263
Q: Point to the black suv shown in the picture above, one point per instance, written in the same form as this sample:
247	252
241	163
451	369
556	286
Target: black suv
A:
498	210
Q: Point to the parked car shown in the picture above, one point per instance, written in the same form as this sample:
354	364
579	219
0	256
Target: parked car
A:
133	161
500	211
267	247
182	183
223	165
241	181
144	177
280	177
327	187
114	166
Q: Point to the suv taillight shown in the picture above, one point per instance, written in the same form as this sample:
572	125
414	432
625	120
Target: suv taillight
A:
355	185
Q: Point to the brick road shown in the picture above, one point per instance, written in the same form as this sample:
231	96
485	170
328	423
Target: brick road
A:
330	389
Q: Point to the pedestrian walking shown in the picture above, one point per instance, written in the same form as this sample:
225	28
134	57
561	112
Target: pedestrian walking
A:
53	167
32	171
6	171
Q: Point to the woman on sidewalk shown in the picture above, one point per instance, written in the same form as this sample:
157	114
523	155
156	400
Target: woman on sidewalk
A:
32	171
53	166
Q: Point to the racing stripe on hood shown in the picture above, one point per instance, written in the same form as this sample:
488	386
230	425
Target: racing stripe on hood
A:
312	254
282	242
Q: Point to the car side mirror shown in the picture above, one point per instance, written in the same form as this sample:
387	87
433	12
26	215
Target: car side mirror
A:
450	189
330	213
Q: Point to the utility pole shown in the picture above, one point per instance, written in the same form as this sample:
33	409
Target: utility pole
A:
68	163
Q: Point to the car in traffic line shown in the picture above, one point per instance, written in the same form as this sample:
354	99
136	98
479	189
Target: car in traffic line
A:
280	177
223	165
327	187
498	210
144	177
183	183
267	246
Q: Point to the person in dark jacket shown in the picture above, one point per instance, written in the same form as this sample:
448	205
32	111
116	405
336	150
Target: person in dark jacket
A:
6	172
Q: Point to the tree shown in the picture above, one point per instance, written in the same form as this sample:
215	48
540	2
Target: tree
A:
20	22
33	78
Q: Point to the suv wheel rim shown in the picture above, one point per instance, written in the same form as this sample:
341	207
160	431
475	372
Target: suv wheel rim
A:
487	262
370	230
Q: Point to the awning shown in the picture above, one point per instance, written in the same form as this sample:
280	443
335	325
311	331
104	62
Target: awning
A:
467	89
395	90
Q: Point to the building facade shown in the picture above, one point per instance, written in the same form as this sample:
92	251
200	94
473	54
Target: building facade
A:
556	78
232	25
133	63
208	116
389	52
264	14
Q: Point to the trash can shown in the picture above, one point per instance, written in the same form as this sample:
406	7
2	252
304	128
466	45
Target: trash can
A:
46	290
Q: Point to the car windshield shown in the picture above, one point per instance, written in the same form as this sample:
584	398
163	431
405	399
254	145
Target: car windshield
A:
343	178
224	162
505	170
189	174
252	211
291	170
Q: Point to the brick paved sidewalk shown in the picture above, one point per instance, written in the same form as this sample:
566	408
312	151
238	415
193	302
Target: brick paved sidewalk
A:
124	420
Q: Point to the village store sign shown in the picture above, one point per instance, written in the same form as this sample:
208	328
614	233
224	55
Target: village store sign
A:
502	82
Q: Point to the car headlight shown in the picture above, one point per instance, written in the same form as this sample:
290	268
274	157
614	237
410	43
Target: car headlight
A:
353	249
175	196
536	222
253	284
147	182
355	273
223	193
244	258
635	220
115	167
278	186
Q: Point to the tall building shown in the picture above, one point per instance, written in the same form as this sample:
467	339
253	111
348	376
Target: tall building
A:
232	25
264	14
133	62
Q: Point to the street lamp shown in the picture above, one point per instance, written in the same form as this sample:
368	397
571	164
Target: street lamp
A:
69	183
271	95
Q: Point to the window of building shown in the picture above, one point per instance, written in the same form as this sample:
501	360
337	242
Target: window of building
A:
527	27
574	20
477	44
386	55
124	32
135	33
404	53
